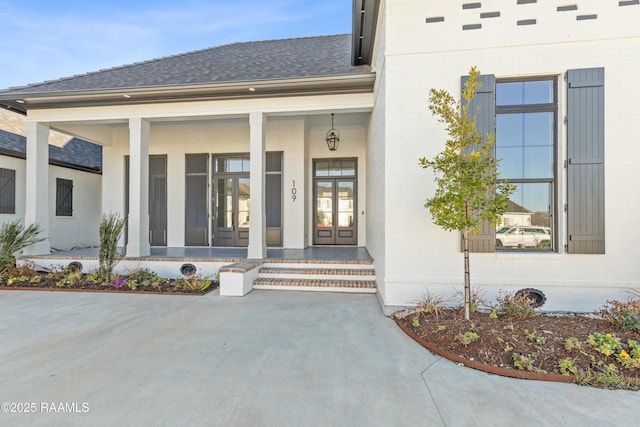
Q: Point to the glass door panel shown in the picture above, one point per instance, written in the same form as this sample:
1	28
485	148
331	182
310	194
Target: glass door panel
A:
324	201
242	188
324	230
224	226
346	231
244	202
224	202
345	204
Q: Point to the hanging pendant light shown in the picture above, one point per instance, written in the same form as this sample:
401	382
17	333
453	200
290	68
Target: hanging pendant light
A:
333	137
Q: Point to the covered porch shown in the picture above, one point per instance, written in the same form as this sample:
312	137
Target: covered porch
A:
240	179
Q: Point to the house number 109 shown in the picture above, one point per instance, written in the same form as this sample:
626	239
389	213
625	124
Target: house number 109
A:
294	191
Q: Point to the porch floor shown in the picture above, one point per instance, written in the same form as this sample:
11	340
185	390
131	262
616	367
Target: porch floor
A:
313	253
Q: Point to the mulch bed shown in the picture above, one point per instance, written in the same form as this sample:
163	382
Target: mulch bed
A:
499	338
170	287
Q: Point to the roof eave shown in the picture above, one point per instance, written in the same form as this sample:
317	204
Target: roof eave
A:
365	20
54	162
352	83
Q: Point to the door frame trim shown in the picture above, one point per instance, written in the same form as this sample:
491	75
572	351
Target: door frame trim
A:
314	211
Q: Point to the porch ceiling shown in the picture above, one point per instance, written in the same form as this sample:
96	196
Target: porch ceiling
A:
101	131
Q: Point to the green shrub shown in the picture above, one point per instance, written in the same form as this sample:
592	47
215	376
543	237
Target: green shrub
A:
145	277
467	338
523	362
518	306
431	305
14	237
195	282
623	315
111	228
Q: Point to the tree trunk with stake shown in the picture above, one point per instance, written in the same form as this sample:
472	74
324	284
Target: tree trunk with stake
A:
467	271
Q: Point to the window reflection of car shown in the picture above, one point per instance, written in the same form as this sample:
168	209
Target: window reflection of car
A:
523	236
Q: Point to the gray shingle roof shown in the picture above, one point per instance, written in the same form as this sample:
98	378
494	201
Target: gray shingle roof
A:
76	153
238	62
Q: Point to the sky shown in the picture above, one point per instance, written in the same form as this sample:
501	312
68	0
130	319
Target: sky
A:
49	39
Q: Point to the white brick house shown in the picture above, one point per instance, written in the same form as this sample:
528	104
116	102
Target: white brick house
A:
193	138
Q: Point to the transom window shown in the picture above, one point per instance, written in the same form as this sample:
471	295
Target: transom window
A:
526	116
335	168
232	164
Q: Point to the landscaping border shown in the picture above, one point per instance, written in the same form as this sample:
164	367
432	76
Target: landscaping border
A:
483	367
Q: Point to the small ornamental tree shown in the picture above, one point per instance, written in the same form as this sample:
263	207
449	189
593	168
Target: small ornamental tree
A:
465	173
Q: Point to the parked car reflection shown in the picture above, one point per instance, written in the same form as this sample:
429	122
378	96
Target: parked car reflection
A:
523	236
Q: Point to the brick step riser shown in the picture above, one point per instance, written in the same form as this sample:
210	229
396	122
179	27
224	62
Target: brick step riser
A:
316	271
316	289
328	277
312	282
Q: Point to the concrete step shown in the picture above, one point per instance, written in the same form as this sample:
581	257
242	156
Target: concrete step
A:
320	285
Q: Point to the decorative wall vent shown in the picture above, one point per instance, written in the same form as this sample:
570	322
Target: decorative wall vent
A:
75	266
527	1
490	15
527	22
432	19
629	3
188	269
472	5
586	17
567	8
471	27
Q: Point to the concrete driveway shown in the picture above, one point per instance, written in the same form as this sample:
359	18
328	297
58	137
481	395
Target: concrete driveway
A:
268	359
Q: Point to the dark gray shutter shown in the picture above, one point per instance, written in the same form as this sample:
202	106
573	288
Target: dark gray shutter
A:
158	200
126	199
483	106
64	197
273	201
196	213
7	191
585	164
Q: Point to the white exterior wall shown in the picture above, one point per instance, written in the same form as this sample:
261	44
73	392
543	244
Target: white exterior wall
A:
376	227
421	257
82	228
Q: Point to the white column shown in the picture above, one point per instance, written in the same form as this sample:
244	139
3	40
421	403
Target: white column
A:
37	182
138	244
258	217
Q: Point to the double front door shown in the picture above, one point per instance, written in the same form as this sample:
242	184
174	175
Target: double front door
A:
335	202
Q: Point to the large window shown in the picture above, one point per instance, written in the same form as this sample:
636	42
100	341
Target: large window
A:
526	121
